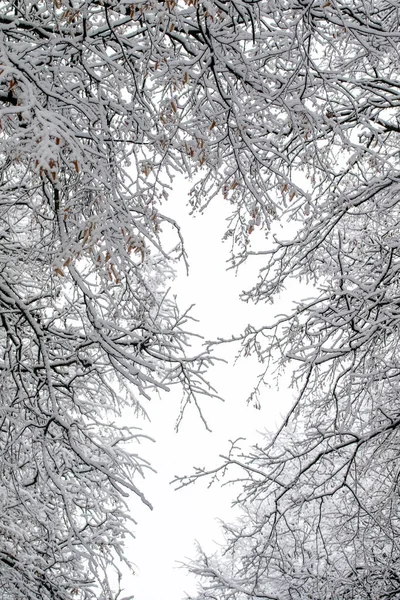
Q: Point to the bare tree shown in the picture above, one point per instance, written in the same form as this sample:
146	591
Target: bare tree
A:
289	108
87	327
320	497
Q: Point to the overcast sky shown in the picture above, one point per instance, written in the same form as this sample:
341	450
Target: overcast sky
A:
167	535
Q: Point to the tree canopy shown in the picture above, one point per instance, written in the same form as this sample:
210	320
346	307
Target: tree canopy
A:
289	110
320	499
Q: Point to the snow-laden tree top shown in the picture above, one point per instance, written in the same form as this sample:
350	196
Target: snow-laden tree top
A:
289	110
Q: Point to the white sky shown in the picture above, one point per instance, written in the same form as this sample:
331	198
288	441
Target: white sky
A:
167	534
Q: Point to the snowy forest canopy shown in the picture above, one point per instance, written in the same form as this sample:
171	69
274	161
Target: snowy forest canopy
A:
289	111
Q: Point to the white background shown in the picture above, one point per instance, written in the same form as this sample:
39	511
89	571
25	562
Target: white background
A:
167	534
